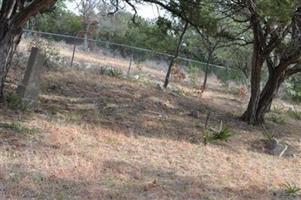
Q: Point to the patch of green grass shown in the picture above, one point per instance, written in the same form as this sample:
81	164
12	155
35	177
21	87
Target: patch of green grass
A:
19	128
291	190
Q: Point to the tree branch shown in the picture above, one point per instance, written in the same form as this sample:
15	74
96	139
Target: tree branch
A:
294	70
32	9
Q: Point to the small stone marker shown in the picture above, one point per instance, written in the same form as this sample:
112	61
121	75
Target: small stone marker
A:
277	148
29	88
195	113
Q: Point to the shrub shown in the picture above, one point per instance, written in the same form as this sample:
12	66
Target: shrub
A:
293	113
49	50
15	102
277	119
110	71
114	73
193	71
293	88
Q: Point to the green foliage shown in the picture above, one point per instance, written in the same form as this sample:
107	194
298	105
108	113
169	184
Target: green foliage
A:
238	60
211	136
221	135
59	20
144	34
278	119
17	127
228	74
291	190
15	102
49	50
276	11
295	114
293	88
110	71
193	71
165	25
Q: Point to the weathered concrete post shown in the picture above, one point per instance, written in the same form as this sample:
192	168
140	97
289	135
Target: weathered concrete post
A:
29	88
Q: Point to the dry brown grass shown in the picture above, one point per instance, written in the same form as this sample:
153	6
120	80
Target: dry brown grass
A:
105	138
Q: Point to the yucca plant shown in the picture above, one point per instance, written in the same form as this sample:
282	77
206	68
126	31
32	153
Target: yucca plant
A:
291	190
223	134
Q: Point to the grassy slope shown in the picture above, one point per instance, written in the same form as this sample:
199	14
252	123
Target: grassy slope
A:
96	137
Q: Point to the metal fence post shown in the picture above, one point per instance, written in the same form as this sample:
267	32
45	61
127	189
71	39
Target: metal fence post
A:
73	53
130	66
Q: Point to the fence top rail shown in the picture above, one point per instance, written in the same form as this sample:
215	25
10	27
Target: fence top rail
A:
128	46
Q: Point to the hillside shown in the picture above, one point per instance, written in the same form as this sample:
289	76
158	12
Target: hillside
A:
99	137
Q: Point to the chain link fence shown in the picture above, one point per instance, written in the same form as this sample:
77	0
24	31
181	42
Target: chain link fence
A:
125	60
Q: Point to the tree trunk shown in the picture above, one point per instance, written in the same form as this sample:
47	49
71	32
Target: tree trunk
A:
267	95
13	16
166	82
257	62
8	43
269	92
207	71
260	102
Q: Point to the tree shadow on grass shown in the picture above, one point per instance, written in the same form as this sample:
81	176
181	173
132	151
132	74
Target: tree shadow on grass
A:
131	107
136	108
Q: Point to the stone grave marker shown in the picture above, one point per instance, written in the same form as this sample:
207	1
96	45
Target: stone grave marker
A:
29	88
